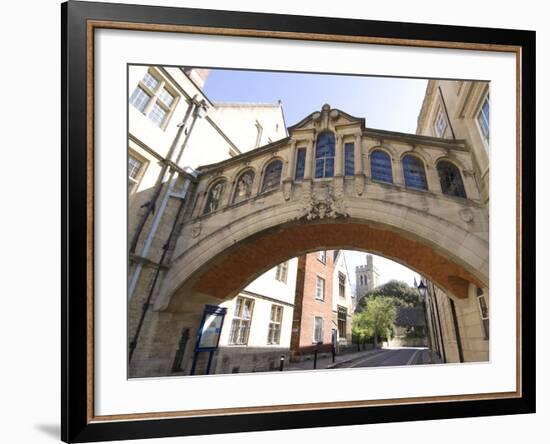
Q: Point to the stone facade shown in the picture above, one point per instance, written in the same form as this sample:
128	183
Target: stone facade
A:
459	327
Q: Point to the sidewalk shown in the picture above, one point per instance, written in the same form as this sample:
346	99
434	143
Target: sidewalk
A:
325	362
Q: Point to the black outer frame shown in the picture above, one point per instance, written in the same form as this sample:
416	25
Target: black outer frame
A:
74	424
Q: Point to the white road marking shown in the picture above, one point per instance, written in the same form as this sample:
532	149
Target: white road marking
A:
414	355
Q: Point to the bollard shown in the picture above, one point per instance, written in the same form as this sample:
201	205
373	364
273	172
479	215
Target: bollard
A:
281	363
333	354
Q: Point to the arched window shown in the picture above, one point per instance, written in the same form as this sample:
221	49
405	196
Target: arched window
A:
214	197
380	167
272	175
324	155
243	190
415	175
450	178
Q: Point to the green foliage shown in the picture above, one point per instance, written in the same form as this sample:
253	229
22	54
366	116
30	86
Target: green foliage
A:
376	320
402	294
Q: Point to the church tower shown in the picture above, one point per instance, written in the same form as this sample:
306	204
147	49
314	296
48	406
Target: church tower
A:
366	277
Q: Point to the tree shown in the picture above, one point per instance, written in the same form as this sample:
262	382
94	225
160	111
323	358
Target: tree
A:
360	328
403	295
376	320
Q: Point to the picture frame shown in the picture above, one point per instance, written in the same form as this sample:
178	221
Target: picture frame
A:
80	20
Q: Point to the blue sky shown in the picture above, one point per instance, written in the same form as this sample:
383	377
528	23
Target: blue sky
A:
385	102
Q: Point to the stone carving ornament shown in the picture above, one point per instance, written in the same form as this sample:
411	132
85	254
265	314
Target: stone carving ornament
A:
324	206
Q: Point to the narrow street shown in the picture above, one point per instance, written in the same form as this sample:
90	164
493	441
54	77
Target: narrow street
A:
393	357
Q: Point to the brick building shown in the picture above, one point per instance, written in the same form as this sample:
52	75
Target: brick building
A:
322	305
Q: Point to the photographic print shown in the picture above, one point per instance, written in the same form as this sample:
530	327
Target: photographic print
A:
276	221
284	221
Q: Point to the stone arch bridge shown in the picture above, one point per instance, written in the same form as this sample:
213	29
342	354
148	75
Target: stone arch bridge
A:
332	184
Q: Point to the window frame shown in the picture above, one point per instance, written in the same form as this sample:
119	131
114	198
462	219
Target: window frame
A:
155	98
281	272
297	168
484	319
374	152
341	310
440	116
264	175
462	188
322	256
319	279
423	164
241	320
349	159
326	158
486	138
341	284
274	325
141	172
322	329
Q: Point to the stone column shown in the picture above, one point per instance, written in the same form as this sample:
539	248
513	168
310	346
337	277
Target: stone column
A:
310	158
358	161
288	176
339	157
397	171
358	154
291	164
432	178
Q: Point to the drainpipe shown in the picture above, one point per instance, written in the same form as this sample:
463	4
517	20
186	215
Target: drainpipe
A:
158	215
446	112
147	303
160	180
457	331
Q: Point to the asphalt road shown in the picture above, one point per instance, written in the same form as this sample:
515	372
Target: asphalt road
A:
392	357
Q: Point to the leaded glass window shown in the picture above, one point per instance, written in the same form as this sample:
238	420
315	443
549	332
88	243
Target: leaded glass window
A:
320	289
243	189
157	114
134	168
450	179
341	284
275	320
342	321
380	166
214	197
349	159
272	175
134	165
140	98
154	98
415	175
166	97
483	118
240	327
324	155
281	272
300	163
440	124
150	81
